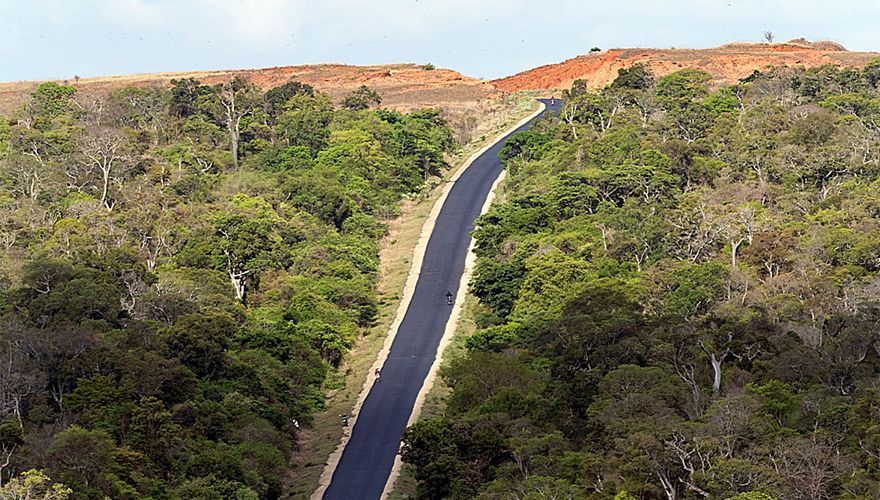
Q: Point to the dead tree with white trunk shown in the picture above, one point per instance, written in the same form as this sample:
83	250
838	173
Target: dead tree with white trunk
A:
237	101
105	156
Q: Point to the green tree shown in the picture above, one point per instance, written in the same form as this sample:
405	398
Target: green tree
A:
362	98
200	342
82	458
678	90
246	239
277	97
305	121
638	76
185	96
34	485
50	99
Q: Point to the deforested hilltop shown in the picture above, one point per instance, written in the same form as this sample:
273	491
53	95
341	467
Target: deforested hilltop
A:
402	86
727	64
405	87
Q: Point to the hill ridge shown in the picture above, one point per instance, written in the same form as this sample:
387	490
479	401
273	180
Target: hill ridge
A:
727	63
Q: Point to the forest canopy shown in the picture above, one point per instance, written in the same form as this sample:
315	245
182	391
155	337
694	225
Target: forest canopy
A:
180	270
677	299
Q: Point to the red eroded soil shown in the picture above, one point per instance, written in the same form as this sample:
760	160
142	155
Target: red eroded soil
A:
727	64
408	86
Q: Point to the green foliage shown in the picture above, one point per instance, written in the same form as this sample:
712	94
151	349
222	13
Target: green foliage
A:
185	96
51	99
524	216
34	485
751	495
694	290
524	146
722	101
638	76
304	121
777	399
5	133
872	72
200	342
677	90
459	454
161	345
209	487
677	298
56	292
82	459
857	104
497	284
616	147
278	97
362	98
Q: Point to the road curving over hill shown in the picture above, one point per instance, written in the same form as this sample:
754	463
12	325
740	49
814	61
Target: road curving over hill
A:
369	455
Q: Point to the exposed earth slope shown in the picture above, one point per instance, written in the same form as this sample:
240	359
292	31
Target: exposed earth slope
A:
402	86
409	86
727	63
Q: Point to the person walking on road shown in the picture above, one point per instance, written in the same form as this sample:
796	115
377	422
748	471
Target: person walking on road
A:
378	374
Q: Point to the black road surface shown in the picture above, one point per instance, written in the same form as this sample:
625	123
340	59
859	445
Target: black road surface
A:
369	455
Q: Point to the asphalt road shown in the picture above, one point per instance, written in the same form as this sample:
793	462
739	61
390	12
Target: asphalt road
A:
369	455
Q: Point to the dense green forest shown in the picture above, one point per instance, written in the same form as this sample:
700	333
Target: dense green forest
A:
180	270
678	299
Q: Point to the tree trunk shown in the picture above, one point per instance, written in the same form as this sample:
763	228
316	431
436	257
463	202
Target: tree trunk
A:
8	451
685	372
239	283
105	171
716	367
716	362
734	246
233	139
668	485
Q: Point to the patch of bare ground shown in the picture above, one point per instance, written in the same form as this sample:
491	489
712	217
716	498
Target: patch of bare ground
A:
727	64
402	86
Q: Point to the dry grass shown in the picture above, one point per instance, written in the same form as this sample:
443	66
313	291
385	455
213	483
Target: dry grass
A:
402	86
317	443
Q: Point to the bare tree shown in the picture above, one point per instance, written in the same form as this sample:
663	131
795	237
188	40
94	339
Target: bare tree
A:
236	99
716	360
141	108
646	102
104	152
237	276
29	172
29	162
739	225
768	36
810	466
570	113
134	287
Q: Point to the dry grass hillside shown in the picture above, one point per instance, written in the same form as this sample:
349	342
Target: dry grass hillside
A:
727	63
408	86
402	86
